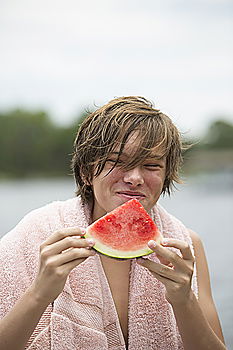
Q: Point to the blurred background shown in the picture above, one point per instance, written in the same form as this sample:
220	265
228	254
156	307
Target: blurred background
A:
61	59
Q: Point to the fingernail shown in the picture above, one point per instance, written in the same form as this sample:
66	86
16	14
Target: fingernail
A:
151	244
83	230
165	241
90	241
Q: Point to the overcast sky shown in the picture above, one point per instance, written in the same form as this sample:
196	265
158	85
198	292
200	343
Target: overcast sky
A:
63	56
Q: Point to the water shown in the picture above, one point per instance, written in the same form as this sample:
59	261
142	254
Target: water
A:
204	204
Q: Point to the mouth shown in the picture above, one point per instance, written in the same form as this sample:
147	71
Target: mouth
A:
131	195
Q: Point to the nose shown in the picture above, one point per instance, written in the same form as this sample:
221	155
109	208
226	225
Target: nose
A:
134	176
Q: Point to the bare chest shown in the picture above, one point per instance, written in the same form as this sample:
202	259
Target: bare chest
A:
118	278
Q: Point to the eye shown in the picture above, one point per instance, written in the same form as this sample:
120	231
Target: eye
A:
113	161
153	166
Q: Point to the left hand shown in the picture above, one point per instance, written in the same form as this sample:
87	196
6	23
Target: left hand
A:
174	271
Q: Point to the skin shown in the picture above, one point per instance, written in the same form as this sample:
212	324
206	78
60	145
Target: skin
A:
197	320
59	254
62	251
115	187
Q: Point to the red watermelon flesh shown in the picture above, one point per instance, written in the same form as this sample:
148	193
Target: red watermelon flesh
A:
124	232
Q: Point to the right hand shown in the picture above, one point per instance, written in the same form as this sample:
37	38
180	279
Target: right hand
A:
59	254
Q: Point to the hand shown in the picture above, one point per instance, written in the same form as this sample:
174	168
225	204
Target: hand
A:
59	254
174	271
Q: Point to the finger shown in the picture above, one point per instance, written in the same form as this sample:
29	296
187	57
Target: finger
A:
157	268
166	254
66	268
69	256
166	281
69	231
163	260
183	246
66	243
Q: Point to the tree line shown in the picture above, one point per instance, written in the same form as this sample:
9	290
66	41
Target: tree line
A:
31	144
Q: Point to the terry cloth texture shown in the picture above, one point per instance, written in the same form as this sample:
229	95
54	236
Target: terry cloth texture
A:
84	315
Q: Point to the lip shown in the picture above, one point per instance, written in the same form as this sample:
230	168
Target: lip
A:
131	194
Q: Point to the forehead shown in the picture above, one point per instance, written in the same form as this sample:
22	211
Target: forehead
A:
134	146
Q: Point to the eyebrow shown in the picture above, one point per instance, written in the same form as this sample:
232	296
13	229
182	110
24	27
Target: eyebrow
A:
151	156
157	156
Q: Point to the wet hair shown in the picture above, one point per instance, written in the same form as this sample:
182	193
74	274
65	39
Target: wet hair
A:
110	126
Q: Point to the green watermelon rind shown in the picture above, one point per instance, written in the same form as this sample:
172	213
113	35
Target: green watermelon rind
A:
108	250
119	254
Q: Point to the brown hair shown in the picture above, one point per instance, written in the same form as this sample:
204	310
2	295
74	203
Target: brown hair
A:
111	126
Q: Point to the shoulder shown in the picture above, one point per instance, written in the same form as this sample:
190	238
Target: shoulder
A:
203	276
40	222
41	217
199	250
53	211
196	240
205	297
170	225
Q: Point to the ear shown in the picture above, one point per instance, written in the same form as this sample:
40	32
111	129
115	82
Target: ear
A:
86	176
86	181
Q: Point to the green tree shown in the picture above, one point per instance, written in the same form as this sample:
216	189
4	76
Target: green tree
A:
219	135
31	145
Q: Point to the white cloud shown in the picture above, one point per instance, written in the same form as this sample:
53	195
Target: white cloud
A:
64	54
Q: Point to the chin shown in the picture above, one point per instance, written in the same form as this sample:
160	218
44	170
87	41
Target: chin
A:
147	206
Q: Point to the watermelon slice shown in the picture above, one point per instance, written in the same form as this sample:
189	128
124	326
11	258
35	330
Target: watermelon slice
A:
124	232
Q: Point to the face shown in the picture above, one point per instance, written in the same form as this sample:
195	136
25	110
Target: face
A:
144	182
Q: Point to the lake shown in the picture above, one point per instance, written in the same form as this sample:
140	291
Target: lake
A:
204	204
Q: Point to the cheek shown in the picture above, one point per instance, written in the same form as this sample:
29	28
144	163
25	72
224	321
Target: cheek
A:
154	180
113	176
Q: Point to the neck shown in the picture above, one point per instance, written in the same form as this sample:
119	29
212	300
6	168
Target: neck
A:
119	263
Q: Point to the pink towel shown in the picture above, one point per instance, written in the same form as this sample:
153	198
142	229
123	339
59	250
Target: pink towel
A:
84	315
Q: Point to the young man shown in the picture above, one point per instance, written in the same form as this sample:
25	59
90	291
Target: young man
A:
58	293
